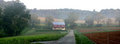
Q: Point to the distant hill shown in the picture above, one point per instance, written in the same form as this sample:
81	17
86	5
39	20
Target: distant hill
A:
63	13
110	12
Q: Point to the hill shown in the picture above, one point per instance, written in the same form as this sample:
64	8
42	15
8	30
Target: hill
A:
63	13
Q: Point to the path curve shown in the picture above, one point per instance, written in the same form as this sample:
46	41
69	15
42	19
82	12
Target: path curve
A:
67	39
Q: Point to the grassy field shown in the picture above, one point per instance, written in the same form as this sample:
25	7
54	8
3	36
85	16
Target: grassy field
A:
33	35
81	39
38	31
98	29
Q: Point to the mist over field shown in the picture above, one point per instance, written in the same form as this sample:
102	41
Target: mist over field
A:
21	25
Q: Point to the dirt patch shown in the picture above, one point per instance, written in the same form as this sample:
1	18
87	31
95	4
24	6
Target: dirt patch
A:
105	37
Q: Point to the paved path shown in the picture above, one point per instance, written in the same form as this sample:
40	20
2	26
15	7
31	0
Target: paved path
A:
68	39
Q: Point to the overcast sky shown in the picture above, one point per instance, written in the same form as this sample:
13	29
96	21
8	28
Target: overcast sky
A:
72	4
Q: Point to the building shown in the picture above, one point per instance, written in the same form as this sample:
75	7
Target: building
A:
43	19
58	25
80	21
111	21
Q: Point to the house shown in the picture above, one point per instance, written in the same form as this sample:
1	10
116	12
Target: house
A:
80	22
58	25
111	21
42	19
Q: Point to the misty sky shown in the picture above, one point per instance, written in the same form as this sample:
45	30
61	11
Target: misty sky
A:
72	4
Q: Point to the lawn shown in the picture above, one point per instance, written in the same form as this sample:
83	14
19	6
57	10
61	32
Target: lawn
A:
37	31
34	35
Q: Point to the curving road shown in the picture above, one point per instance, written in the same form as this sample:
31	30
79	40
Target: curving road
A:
68	39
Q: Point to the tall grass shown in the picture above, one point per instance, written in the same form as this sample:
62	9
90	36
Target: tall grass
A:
37	31
31	38
81	39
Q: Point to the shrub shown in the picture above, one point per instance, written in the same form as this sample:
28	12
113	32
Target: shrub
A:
98	25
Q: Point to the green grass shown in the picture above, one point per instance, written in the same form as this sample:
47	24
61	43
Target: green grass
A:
31	38
37	31
30	35
26	30
81	39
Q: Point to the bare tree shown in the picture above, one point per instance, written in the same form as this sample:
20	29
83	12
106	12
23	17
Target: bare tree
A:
109	22
70	21
118	16
34	20
89	20
97	17
49	20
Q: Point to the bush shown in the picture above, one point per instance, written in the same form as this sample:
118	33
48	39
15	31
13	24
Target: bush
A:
98	25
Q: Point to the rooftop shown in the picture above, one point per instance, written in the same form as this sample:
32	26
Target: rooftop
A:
58	23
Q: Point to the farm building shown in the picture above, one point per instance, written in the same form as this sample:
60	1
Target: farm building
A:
58	25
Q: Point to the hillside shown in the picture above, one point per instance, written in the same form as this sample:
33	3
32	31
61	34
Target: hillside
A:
63	13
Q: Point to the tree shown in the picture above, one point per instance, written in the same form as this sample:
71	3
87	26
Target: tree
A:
118	16
34	20
15	18
89	20
1	23
109	22
118	19
49	20
0	17
70	21
97	17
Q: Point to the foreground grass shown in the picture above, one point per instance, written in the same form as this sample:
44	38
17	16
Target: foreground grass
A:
31	38
81	39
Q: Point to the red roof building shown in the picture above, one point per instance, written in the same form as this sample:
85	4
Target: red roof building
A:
58	25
